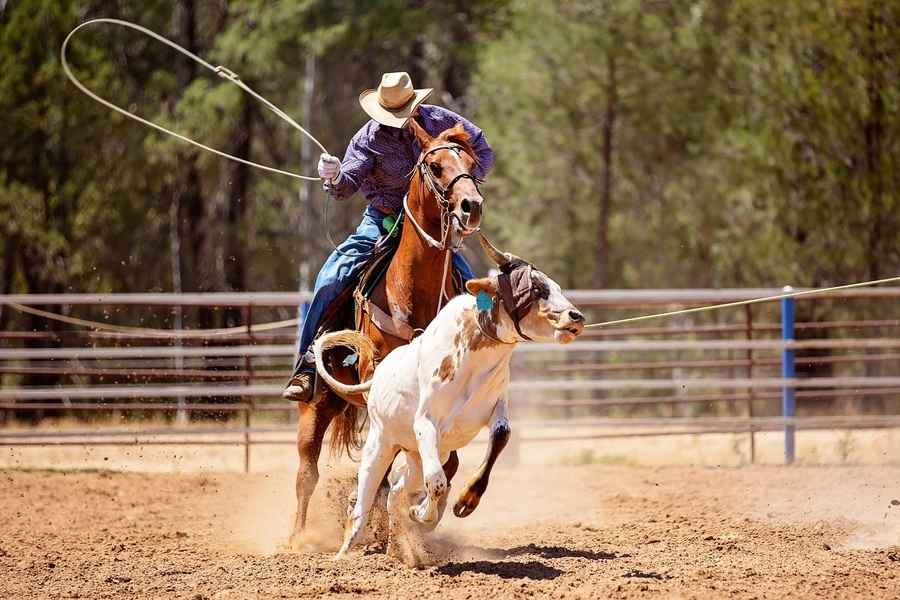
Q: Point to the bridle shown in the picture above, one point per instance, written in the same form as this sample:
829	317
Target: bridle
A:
443	197
442	194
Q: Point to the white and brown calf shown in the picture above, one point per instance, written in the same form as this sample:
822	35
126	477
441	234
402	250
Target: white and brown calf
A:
434	395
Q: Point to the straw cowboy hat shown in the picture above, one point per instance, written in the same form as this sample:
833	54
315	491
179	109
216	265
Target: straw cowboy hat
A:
395	100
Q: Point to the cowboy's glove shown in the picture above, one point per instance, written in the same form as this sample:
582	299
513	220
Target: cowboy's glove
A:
329	167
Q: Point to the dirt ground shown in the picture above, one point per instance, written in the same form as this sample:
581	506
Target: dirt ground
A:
549	532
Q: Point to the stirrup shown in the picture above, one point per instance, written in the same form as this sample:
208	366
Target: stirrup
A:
300	387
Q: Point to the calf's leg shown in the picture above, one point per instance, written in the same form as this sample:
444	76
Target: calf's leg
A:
377	456
406	541
428	442
499	436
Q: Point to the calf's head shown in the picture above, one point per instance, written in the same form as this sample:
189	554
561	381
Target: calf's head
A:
534	304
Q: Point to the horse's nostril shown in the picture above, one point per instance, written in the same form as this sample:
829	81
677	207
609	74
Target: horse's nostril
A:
576	316
466	206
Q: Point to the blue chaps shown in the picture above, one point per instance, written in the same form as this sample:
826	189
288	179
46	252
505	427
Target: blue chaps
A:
341	270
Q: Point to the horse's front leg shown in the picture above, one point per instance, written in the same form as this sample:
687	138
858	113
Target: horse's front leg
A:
428	442
499	436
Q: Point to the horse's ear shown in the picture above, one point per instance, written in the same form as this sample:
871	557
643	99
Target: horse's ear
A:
423	136
458	135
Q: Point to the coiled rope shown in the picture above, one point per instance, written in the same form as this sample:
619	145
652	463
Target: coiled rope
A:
219	70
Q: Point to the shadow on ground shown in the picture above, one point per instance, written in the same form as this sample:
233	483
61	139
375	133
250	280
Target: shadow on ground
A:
545	552
533	569
503	569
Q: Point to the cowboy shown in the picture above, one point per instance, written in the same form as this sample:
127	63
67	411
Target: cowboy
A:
378	162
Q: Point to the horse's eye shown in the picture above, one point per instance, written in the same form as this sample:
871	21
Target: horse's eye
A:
435	169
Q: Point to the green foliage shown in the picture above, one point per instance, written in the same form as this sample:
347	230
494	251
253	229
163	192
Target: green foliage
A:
744	142
754	141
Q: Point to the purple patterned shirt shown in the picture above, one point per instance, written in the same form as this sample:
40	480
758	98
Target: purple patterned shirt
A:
379	159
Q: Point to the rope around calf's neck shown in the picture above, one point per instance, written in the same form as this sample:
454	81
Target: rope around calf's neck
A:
698	309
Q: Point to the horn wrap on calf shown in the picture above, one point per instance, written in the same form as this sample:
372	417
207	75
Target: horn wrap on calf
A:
515	290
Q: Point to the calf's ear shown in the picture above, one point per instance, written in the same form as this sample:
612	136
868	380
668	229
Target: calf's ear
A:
487	285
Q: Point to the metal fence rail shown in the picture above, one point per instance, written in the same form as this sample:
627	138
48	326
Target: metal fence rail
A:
727	359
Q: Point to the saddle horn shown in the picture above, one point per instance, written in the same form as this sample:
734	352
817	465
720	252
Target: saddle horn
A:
498	257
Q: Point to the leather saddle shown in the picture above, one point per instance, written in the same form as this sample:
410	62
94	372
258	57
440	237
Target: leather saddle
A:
371	275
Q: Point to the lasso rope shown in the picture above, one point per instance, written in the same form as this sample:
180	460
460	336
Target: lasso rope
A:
220	70
697	309
150	332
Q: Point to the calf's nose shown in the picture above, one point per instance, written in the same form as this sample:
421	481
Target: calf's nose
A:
576	316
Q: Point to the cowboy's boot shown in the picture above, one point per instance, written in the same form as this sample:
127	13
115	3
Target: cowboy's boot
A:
300	387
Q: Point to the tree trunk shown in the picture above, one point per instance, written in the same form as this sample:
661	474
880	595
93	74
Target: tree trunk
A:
458	68
191	205
873	130
601	275
9	265
416	61
306	210
235	268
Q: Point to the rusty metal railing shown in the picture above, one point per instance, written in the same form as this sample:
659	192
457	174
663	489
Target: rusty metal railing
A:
690	362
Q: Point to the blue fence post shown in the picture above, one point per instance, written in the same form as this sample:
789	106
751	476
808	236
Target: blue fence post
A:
788	402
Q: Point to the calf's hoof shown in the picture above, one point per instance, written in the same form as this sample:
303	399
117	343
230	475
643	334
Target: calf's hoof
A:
420	514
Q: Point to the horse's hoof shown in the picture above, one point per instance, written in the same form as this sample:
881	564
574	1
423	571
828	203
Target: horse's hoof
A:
466	504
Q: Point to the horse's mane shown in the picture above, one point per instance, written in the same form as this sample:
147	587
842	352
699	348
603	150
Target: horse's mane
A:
458	135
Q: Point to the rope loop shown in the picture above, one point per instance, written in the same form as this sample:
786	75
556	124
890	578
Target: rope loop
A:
221	71
226	73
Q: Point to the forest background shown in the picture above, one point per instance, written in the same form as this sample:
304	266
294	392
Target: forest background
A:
640	143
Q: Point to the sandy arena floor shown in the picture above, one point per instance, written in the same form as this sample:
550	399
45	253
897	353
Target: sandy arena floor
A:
548	532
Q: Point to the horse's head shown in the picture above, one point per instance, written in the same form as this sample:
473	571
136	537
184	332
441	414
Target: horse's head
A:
446	167
533	302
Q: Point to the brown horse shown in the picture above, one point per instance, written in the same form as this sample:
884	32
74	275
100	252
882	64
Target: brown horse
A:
443	205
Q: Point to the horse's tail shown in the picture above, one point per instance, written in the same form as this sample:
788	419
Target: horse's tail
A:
364	348
345	432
